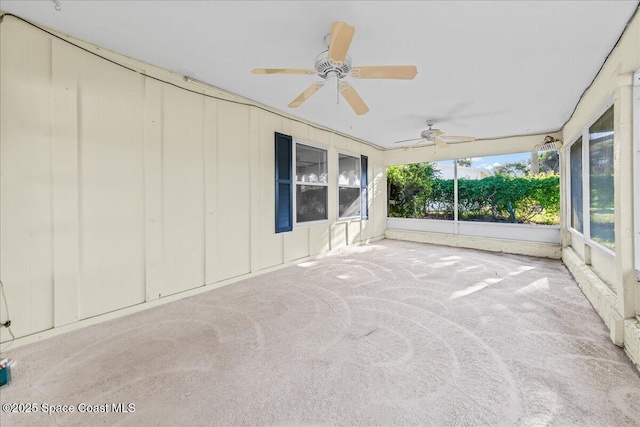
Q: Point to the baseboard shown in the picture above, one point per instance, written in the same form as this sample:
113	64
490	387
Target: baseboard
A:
49	333
537	249
632	340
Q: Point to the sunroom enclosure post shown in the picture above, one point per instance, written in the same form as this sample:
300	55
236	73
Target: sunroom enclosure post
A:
455	197
623	197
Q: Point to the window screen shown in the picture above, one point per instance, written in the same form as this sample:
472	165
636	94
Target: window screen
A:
311	184
601	209
575	159
348	186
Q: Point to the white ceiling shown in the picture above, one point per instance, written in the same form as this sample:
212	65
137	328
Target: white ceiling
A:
485	69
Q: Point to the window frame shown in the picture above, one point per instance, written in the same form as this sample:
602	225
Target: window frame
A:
295	181
364	188
636	170
586	189
585	236
568	192
358	159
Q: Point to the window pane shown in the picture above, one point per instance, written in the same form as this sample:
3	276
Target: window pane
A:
601	216
439	200
348	202
311	202
348	170
311	164
421	190
575	159
507	189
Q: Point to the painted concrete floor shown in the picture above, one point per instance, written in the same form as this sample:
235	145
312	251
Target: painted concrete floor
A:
393	333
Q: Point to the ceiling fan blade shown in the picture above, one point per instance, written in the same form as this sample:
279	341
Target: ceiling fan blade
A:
407	72
440	143
452	138
420	143
341	35
408	140
282	71
352	97
306	94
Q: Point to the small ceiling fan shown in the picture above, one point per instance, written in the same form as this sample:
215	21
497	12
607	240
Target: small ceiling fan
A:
436	136
334	65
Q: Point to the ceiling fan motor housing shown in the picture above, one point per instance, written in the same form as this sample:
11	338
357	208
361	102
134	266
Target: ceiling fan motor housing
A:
430	134
327	67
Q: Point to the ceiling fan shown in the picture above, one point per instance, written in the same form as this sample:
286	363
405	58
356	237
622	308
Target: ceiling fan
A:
334	65
436	137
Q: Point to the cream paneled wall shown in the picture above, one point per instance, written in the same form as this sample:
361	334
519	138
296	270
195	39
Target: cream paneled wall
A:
26	218
118	189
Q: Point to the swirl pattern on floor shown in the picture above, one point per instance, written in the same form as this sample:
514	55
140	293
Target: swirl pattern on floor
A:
392	333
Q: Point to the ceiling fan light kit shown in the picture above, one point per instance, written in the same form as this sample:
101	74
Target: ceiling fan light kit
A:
335	65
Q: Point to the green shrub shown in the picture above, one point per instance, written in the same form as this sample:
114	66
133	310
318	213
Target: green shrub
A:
415	192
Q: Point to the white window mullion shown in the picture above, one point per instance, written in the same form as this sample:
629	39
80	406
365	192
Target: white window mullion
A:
636	174
312	174
586	185
455	197
349	170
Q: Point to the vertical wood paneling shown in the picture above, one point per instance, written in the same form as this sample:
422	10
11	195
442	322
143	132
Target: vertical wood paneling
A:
122	165
340	143
296	244
26	199
154	265
65	183
338	235
111	187
299	130
270	244
379	195
254	174
116	188
89	188
354	147
354	232
319	239
211	189
367	225
182	189
234	192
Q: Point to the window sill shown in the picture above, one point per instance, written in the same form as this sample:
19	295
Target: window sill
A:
310	223
595	245
575	232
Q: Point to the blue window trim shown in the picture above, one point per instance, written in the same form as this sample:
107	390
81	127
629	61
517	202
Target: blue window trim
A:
283	160
364	184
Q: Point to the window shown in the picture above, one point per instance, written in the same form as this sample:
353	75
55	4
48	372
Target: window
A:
636	172
501	189
348	186
312	184
601	207
364	186
575	159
